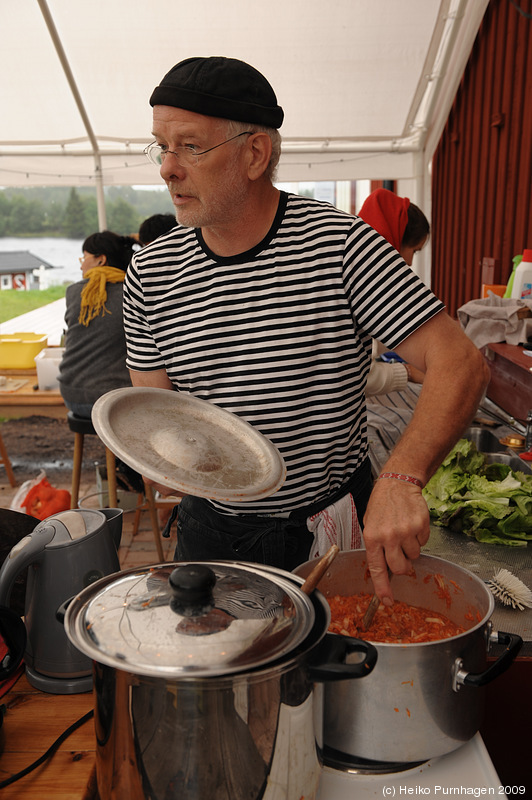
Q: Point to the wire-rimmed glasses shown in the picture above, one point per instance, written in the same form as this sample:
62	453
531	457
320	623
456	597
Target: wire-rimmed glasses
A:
187	155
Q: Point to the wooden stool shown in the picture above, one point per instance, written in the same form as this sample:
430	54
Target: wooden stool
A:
82	427
4	459
151	504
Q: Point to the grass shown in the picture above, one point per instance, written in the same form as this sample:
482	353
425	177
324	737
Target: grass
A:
15	302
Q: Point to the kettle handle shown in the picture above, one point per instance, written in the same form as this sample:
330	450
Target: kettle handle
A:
20	556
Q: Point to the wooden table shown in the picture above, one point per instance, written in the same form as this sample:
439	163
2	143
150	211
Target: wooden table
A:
32	722
510	385
28	400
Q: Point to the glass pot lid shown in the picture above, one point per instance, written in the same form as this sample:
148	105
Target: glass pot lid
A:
190	619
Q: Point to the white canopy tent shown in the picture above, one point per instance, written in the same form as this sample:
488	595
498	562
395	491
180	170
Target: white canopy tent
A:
366	85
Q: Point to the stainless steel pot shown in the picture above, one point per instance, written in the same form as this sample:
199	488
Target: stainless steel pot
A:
421	700
209	687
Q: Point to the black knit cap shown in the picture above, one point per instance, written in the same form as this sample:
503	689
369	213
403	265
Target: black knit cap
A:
220	87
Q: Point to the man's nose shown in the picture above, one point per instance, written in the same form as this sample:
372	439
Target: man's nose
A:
170	167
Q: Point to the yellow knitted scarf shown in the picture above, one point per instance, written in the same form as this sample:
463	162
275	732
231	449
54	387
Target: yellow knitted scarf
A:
94	294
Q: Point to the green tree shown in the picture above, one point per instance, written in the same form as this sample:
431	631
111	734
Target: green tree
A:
122	217
53	217
74	222
72	211
91	214
26	217
5	207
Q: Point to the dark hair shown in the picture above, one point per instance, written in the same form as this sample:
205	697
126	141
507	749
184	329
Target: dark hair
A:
155	226
118	250
417	227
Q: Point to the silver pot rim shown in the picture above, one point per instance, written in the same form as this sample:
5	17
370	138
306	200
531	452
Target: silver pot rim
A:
105	623
431	562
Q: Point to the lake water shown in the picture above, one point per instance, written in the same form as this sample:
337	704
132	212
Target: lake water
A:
62	254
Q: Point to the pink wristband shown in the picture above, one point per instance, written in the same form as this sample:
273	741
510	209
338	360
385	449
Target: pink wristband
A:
400	477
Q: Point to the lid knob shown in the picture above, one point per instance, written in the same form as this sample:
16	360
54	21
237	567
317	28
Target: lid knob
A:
191	586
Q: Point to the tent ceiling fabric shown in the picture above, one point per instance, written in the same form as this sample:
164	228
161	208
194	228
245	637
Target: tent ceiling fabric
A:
359	80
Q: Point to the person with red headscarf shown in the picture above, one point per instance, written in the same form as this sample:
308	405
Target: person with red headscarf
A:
401	222
407	229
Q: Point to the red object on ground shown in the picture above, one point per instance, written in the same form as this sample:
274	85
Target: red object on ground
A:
43	500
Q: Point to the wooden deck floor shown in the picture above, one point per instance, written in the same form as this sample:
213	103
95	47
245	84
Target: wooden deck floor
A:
49	319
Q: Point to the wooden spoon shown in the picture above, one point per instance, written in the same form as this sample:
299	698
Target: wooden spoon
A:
319	570
371	610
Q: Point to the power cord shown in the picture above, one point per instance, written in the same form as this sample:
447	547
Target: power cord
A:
51	750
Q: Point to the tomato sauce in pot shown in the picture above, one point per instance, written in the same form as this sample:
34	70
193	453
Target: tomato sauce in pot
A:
397	624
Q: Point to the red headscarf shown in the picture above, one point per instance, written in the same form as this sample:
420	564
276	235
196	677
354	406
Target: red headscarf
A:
387	214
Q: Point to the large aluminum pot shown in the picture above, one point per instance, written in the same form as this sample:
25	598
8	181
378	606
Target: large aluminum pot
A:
209	687
421	700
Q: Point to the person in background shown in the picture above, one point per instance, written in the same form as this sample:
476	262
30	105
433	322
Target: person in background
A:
407	229
94	361
265	303
155	226
401	222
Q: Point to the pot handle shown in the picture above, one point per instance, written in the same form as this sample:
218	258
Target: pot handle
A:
513	644
328	661
60	612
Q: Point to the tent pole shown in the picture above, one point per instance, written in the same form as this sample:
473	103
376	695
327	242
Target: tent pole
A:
52	30
100	197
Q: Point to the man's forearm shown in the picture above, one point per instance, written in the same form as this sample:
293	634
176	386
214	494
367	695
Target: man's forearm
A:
445	408
157	378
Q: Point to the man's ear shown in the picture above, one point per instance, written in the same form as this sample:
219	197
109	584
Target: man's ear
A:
259	146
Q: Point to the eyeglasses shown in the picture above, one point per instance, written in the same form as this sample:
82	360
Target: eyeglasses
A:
187	155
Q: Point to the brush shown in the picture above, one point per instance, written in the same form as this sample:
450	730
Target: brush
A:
510	590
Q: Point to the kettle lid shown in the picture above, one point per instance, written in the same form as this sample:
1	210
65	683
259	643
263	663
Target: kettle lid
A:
73	524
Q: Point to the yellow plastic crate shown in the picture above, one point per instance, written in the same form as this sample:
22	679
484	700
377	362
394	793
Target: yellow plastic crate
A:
18	350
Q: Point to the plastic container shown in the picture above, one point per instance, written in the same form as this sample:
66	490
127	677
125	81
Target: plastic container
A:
47	363
516	260
127	501
522	283
18	350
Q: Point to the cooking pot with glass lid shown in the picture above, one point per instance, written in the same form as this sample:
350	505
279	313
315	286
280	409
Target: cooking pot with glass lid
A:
208	680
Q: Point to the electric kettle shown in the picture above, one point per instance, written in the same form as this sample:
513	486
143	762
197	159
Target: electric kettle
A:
64	554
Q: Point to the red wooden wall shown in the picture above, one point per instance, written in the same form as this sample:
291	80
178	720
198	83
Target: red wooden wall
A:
482	168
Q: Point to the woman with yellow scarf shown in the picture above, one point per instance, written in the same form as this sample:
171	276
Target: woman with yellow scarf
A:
94	361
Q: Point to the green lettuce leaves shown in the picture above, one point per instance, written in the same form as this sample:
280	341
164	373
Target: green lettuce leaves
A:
489	502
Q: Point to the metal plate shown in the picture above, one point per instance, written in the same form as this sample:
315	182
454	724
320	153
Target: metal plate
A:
188	444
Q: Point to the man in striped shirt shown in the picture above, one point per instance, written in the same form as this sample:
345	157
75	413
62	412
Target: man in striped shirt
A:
265	304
